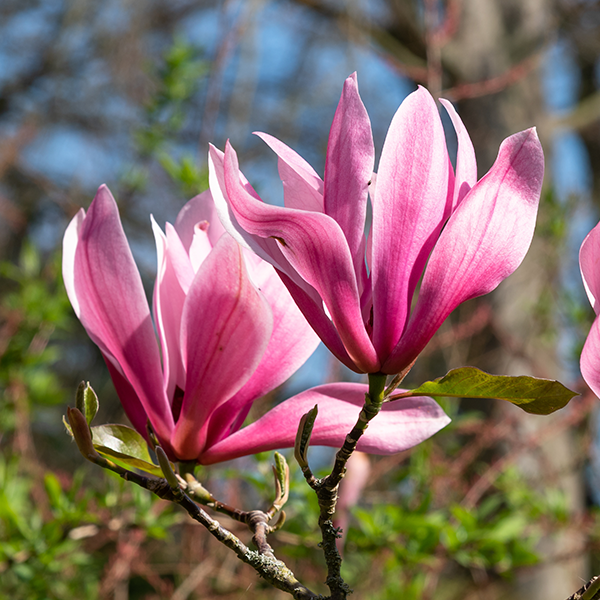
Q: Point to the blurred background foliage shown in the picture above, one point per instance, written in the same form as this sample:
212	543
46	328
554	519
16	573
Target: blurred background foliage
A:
500	504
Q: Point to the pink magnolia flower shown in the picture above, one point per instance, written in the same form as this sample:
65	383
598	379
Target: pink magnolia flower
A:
228	332
589	262
457	236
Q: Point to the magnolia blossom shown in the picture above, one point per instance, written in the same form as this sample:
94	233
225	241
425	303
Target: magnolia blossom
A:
456	236
589	262
228	332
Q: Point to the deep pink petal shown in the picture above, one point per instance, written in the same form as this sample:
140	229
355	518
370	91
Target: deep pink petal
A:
319	321
198	209
399	426
292	340
113	307
589	262
226	327
590	358
412	199
315	246
129	399
348	169
291	343
484	241
302	187
466	163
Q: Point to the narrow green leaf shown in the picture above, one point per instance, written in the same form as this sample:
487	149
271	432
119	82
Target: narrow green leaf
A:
532	394
124	446
307	422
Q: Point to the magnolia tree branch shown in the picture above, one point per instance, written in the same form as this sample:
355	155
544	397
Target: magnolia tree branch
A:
327	488
590	591
262	561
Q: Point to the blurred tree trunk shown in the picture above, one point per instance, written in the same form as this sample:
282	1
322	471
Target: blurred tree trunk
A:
492	38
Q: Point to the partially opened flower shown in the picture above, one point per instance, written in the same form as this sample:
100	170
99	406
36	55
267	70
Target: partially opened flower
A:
228	332
456	236
589	262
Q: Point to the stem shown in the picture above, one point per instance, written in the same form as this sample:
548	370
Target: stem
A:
267	566
327	488
590	591
263	561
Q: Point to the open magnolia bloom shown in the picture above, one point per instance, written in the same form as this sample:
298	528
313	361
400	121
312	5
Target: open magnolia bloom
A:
228	333
589	262
456	236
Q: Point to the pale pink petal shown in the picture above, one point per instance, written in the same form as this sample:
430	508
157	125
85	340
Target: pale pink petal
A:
226	327
399	426
70	241
484	241
201	245
589	262
168	301
412	199
113	307
348	169
268	249
198	209
179	259
302	187
466	163
590	358
316	248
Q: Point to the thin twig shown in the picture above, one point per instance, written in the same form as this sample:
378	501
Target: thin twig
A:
266	565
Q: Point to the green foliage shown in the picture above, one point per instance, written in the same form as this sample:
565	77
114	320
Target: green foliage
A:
177	81
40	557
532	394
418	532
34	310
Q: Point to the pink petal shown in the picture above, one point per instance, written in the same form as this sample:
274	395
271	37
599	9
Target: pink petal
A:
411	202
129	399
466	163
226	327
198	209
348	169
589	262
291	343
268	249
173	266
315	247
302	187
484	241
399	426
70	242
319	321
590	358
201	245
113	307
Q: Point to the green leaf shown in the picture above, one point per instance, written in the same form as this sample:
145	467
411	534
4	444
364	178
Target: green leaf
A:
86	401
532	394
124	446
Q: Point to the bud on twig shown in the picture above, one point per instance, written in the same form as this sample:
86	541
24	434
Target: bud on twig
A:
82	434
307	422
